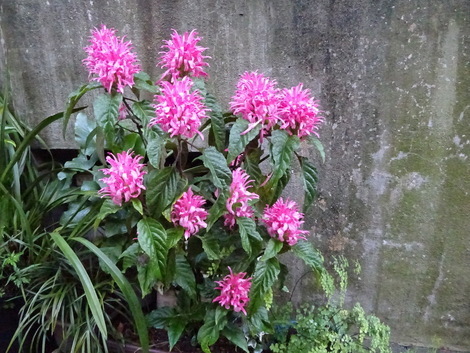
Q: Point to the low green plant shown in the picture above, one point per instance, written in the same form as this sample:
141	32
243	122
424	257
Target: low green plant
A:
329	327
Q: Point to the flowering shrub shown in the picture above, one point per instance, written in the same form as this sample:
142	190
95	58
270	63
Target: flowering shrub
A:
206	222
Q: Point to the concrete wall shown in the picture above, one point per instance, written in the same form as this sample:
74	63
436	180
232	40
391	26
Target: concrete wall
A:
393	78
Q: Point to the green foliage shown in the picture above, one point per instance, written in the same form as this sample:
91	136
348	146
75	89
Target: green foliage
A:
329	327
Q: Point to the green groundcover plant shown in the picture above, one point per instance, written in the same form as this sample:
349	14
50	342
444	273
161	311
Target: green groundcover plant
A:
171	194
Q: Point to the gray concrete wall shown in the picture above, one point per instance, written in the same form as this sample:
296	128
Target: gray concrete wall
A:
393	78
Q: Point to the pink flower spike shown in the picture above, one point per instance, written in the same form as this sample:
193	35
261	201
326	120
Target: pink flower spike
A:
125	180
234	290
111	59
299	112
283	221
188	213
256	100
184	57
237	203
178	110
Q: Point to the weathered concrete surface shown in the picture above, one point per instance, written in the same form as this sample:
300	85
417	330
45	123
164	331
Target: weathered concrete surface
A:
394	81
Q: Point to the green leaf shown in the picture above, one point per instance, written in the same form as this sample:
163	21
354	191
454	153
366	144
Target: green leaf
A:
160	318
247	228
217	210
92	298
216	163
152	240
251	164
264	277
175	329
133	141
236	336
238	140
272	249
283	147
106	110
108	207
173	236
314	141
162	186
138	206
310	177
147	274
218	130
129	294
83	129
143	82
129	256
184	276
220	317
311	256
144	111
73	99
155	146
211	247
208	334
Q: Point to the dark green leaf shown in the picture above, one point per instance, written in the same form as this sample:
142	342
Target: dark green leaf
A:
129	256
264	277
83	129
236	336
310	183
238	139
251	164
106	110
144	111
220	317
147	274
108	207
283	147
272	249
152	240
311	256
160	318
133	141
143	82
208	334
184	276
218	130
155	146
161	190
216	163
173	236
217	210
247	228
314	141
211	247
175	329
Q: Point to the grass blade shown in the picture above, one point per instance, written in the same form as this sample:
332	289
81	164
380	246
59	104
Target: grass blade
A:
92	298
126	288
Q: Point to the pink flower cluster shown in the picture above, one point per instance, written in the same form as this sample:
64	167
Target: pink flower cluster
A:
283	221
111	59
234	291
184	57
258	101
125	180
188	213
298	112
238	202
178	110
